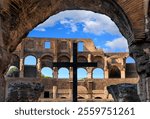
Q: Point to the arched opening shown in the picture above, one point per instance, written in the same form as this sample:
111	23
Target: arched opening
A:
46	61
82	59
98	98
63	59
30	69
130	60
63	97
13	70
82	73
114	72
98	73
81	98
46	72
130	68
99	60
63	73
80	46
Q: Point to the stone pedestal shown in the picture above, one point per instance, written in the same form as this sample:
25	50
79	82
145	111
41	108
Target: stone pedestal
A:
54	92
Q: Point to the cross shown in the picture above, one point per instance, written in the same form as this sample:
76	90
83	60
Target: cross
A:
75	65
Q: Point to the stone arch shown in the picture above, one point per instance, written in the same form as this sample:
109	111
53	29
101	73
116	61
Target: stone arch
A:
82	58
130	68
98	97
46	61
49	8
82	73
15	61
13	70
63	73
98	73
63	58
99	60
114	72
30	68
46	72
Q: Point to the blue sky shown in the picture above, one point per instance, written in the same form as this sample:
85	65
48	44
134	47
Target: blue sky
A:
83	24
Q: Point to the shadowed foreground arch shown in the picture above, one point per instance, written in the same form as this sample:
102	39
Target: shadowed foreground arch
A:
18	18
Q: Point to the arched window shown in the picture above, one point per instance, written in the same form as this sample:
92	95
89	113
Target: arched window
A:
131	68
82	73
114	72
130	60
13	71
46	72
98	73
80	47
30	69
30	60
63	73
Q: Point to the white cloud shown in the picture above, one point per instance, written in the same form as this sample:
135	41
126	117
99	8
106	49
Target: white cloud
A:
40	29
119	44
91	22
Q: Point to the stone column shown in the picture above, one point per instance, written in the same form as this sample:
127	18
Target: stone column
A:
89	71
54	92
55	72
148	89
89	57
39	68
106	74
90	88
123	73
141	54
70	94
71	74
21	68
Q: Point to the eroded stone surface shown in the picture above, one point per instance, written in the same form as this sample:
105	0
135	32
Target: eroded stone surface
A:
24	92
124	92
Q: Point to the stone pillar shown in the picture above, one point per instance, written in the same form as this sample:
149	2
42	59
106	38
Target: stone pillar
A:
54	92
90	89
89	57
89	71
39	68
123	73
148	89
55	72
71	74
2	89
106	74
70	94
21	68
141	54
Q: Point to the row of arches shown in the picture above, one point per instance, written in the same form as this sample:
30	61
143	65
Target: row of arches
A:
30	62
97	73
